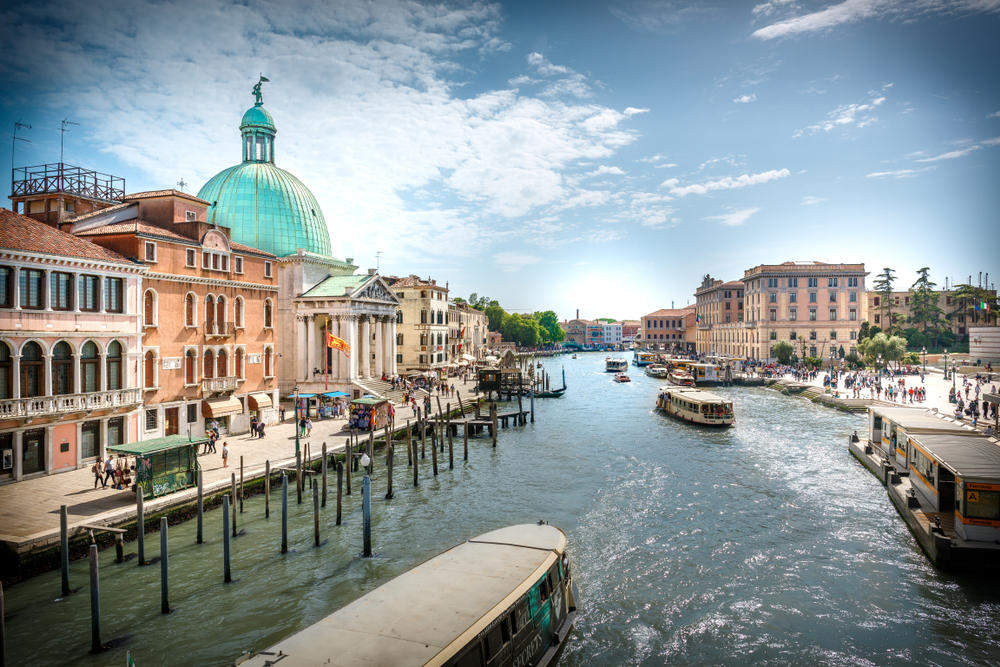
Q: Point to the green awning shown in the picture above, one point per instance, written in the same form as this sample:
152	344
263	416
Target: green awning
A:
156	445
368	401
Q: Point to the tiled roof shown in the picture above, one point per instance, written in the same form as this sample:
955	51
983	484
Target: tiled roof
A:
99	211
150	194
672	312
245	248
134	227
18	232
411	281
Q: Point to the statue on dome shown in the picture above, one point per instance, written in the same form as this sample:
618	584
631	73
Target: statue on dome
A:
256	91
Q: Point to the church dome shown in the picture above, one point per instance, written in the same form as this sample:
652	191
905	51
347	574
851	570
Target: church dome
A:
265	206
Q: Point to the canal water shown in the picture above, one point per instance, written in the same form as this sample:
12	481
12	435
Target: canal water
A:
765	542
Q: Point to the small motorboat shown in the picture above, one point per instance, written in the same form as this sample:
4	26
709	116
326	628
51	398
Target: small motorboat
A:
621	377
574	355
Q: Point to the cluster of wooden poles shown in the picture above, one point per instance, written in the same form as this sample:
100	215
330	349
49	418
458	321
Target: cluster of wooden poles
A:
439	429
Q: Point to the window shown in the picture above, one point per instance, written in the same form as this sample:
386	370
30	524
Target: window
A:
852	282
238	264
190	257
149	308
793	282
812	350
812	335
113	362
812	297
772	282
90	439
423	339
267	269
208	364
61	290
90	368
878	318
833	335
220	313
190	216
222	364
209	313
238	364
151	419
190	310
423	317
399	358
772	315
774	335
192	412
812	314
190	368
852	314
772	297
113	301
267	314
149	370
399	339
62	369
875	301
6	287
6	372
399	317
32	367
793	314
32	283
833	313
150	250
793	297
813	282
831	282
792	335
267	362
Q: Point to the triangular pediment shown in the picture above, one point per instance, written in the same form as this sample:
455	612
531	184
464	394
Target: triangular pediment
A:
376	289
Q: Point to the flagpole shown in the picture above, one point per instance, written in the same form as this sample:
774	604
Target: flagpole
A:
326	355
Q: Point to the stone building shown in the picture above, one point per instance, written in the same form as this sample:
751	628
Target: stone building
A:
70	345
422	337
669	329
720	329
466	332
899	306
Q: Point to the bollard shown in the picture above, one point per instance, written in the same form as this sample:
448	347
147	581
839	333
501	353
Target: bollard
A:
298	477
371	447
366	513
387	443
434	458
95	603
233	496
140	527
227	574
64	547
409	445
267	489
119	548
323	499
340	487
315	488
349	463
390	450
416	466
164	573
241	484
284	513
201	509
465	442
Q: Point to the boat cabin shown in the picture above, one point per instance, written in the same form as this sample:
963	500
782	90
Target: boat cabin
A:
163	465
955	473
888	427
644	358
704	373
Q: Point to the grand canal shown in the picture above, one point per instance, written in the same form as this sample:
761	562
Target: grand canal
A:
766	542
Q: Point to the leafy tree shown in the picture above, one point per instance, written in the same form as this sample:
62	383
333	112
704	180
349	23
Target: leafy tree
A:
521	329
883	285
609	320
481	302
495	315
459	299
548	322
864	331
890	348
925	313
969	301
783	351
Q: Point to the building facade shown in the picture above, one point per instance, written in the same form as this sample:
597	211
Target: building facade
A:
207	313
720	328
630	331
611	334
466	332
669	329
70	347
422	324
899	306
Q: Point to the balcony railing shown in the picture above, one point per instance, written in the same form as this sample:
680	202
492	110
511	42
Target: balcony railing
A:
212	385
48	405
220	329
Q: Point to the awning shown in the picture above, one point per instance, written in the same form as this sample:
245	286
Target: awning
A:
468	357
260	400
155	445
336	394
369	400
220	407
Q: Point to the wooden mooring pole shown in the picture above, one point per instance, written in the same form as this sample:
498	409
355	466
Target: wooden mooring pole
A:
233	486
348	463
390	450
315	489
465	442
140	526
298	477
451	444
366	514
64	547
416	466
284	513
340	488
119	548
409	445
95	603
3	630
227	573
241	484
164	569
493	415
323	499
201	509
434	457
267	489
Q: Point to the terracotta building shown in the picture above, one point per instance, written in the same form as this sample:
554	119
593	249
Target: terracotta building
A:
720	326
466	332
208	313
669	329
421	324
70	344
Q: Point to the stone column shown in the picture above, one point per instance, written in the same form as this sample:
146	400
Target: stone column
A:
18	454
353	326
15	368
392	346
47	369
365	358
300	348
379	347
310	356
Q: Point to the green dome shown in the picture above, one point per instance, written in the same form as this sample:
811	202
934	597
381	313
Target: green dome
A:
264	206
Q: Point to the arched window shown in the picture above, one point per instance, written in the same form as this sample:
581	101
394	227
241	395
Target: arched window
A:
238	312
267	362
114	364
238	369
90	368
6	372
149	370
210	314
190	360
190	310
62	369
149	308
220	313
222	365
32	367
267	313
208	365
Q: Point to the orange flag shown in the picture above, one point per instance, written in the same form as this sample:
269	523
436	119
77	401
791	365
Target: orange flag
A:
338	344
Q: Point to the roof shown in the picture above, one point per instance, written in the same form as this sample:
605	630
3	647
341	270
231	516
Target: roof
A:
977	458
152	194
19	232
695	394
369	401
414	281
919	420
336	285
100	211
156	445
672	312
258	116
135	227
412	618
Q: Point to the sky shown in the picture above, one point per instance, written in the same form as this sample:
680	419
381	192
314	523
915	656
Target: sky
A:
600	156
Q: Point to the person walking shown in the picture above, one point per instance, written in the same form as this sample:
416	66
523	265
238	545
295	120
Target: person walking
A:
309	426
225	454
96	469
109	472
213	436
260	429
253	426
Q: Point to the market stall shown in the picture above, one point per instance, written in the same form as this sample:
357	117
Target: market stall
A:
162	465
369	413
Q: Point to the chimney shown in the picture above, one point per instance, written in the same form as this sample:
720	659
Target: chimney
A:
371	272
577	313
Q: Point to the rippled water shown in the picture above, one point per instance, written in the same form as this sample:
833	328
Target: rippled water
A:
763	542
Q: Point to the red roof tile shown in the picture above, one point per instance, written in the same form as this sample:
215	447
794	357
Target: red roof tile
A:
165	193
18	232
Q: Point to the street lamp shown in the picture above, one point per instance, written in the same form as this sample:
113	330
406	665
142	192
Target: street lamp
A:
923	351
945	363
878	364
296	421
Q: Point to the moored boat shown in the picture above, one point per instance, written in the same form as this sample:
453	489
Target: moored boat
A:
643	358
615	365
622	377
696	406
681	378
503	598
657	371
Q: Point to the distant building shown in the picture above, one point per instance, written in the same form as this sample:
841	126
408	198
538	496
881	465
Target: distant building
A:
611	334
466	332
669	329
630	330
421	324
494	340
719	309
899	306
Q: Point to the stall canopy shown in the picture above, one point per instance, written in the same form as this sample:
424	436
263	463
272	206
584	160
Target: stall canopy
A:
368	400
291	397
335	394
220	407
260	401
163	465
468	357
155	445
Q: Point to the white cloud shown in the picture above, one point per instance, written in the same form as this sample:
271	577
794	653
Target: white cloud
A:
514	261
657	161
632	111
544	67
731	160
853	11
604	169
859	114
727	183
809	200
745	99
995	114
734	218
993	141
962	152
898	173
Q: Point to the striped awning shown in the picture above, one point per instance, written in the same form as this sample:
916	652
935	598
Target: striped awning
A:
260	400
220	407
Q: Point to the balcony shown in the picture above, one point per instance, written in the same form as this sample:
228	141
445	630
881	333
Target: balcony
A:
220	329
215	385
38	406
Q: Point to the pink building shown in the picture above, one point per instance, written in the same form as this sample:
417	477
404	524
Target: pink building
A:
70	342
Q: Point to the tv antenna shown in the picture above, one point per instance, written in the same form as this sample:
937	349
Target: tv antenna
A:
62	134
378	260
181	184
13	142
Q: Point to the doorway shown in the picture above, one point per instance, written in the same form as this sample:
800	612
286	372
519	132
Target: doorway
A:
172	418
33	451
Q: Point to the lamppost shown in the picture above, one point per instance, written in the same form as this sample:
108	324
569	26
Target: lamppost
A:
878	364
923	351
296	421
945	363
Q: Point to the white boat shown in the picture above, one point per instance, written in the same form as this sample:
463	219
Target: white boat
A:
503	598
622	377
681	378
705	374
615	365
696	406
574	355
643	358
657	371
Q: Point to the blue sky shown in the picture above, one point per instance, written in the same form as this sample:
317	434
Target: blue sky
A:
593	155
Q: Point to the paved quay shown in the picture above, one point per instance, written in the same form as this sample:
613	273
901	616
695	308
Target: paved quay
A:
29	510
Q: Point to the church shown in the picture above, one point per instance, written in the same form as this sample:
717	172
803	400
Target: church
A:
320	297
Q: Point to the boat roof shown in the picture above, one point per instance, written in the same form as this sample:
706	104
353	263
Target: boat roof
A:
412	618
976	458
695	394
919	420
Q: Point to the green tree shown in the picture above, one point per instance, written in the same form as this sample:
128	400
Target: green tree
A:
495	316
883	285
925	314
783	351
975	304
521	329
548	322
889	348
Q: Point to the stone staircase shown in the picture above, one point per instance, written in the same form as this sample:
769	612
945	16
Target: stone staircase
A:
384	389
